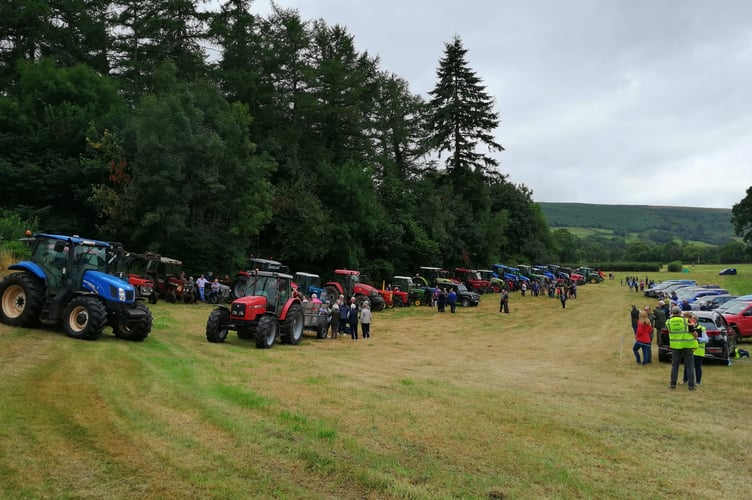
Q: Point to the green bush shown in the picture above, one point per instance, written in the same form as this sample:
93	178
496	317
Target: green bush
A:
674	267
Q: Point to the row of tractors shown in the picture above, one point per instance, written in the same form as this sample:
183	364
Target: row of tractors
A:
88	285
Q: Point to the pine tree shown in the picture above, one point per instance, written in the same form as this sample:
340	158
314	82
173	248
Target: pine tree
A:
461	116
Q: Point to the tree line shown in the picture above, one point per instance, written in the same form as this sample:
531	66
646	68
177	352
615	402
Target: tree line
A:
210	136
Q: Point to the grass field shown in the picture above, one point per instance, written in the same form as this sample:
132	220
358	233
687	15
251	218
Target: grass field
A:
542	403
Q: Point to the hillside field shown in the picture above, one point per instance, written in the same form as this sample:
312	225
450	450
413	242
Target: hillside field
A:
542	403
706	225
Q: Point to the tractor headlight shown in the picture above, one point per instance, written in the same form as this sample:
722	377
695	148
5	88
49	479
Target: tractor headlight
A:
121	295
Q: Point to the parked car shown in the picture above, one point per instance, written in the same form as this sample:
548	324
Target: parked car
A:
657	289
691	295
729	271
733	302
711	302
739	317
721	338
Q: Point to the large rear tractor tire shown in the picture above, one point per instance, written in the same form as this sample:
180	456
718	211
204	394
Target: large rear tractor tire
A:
138	332
292	328
84	318
266	333
397	303
21	299
216	325
332	294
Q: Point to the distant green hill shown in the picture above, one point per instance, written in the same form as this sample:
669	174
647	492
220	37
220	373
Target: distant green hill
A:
660	224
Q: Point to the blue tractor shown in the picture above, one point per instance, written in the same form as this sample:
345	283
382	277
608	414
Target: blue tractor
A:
308	284
68	281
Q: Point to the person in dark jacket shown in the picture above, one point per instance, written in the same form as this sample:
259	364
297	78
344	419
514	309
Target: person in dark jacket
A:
344	313
452	300
504	303
441	300
352	319
659	319
635	315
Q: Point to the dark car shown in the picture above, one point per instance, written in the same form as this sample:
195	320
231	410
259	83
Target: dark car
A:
729	271
465	297
721	338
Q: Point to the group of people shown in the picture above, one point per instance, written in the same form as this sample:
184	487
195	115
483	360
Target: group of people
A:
442	298
343	318
562	290
687	340
637	284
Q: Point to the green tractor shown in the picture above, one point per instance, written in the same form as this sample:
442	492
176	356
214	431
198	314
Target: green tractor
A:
68	280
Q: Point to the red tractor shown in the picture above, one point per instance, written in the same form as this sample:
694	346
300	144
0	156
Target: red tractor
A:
264	311
163	272
347	283
472	280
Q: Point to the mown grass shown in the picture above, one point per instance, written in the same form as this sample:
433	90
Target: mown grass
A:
543	402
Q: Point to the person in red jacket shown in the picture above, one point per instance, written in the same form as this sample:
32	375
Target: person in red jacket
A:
642	339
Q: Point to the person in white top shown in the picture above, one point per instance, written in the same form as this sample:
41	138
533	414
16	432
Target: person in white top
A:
365	320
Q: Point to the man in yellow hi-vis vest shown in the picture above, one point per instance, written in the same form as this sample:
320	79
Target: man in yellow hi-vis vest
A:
683	341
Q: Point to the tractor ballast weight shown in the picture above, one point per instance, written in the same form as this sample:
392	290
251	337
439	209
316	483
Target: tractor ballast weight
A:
68	280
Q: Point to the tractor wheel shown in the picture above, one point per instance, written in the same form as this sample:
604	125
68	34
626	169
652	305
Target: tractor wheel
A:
417	302
216	325
153	298
593	281
496	289
321	330
266	333
292	328
171	297
332	294
135	333
21	299
397	303
84	318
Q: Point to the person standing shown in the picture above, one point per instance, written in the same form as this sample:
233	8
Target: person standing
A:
683	341
635	316
523	288
365	320
642	339
352	320
452	300
699	354
504	304
201	285
659	320
563	297
334	325
344	313
440	299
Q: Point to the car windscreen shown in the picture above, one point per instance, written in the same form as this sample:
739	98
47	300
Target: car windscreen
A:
733	307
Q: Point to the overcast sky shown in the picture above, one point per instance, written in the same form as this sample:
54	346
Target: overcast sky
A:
635	102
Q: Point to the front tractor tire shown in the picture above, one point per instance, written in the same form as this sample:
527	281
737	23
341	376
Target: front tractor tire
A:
21	299
137	332
292	327
266	332
216	325
84	318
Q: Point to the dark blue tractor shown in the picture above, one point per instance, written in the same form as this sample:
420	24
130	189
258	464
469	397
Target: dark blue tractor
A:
68	281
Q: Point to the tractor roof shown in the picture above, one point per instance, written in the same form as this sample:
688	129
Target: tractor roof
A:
347	271
76	240
306	274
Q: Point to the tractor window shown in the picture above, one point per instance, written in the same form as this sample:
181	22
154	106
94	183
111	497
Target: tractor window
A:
88	255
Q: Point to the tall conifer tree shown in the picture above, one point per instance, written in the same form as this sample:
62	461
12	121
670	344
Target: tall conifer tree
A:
461	116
